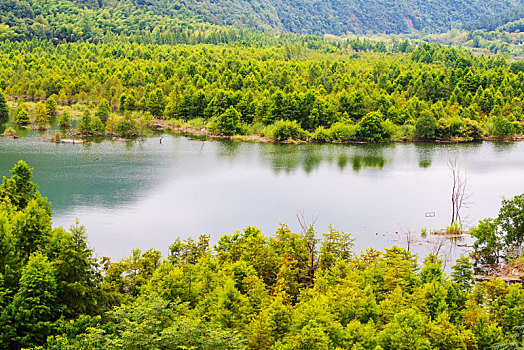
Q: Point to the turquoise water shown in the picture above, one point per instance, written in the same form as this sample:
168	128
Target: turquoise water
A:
145	194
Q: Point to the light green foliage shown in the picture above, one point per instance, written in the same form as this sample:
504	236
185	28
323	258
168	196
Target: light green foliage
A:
189	251
343	132
405	332
322	89
51	107
77	272
21	115
471	130
463	273
127	126
19	190
45	273
371	128
502	127
112	125
156	103
40	116
97	126
65	120
321	135
32	311
125	278
147	323
103	110
287	130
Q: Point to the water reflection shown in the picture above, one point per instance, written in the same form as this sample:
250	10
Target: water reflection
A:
309	157
342	161
227	148
503	147
144	194
425	154
370	161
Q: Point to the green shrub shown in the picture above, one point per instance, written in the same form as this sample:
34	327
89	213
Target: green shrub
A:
40	115
321	135
197	123
103	110
471	130
426	126
9	132
392	130
84	127
97	126
343	132
21	116
4	107
371	128
284	130
127	126
408	131
64	120
228	123
51	107
502	127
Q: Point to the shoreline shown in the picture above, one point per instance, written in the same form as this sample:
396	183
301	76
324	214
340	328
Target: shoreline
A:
162	124
188	130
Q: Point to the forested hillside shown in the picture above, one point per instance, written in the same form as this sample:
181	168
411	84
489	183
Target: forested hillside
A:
92	20
356	16
511	20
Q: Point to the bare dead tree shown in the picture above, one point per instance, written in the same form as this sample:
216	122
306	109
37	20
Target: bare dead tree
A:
410	238
308	231
440	246
459	197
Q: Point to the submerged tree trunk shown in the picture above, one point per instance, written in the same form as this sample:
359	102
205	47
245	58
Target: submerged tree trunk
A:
458	191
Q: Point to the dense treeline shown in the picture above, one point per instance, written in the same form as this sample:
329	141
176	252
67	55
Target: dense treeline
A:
63	21
249	291
304	89
45	273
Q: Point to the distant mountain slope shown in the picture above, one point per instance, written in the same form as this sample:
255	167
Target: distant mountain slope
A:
511	20
343	16
71	20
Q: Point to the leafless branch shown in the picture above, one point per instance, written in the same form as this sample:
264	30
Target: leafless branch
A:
459	198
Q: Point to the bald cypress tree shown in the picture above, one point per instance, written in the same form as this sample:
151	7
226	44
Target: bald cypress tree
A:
4	108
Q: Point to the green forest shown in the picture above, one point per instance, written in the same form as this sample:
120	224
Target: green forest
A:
300	88
264	70
287	290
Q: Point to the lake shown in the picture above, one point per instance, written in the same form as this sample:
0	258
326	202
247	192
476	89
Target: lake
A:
145	194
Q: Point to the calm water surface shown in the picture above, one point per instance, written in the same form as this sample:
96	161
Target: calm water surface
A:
145	194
